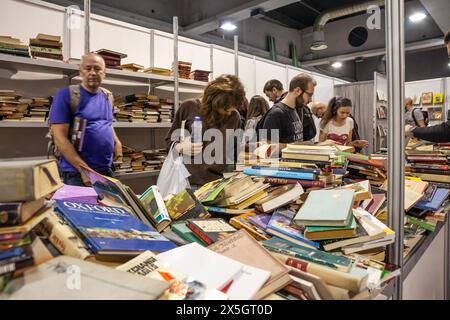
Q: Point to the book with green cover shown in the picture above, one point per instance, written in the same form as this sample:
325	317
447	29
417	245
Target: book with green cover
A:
287	248
326	233
180	228
332	208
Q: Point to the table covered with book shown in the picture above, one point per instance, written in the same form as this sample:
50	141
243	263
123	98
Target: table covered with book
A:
309	225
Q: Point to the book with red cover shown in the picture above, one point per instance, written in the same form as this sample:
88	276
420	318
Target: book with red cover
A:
210	230
303	183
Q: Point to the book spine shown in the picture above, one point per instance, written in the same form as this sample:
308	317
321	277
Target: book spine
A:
47	44
302	170
46	50
199	233
9	214
47	55
421	223
303	183
280	174
430	171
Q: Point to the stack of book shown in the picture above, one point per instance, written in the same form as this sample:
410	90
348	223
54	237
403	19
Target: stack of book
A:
38	109
25	186
113	60
46	46
11	107
167	110
158	71
137	108
200	75
137	161
154	159
429	162
133	67
9	45
184	69
370	169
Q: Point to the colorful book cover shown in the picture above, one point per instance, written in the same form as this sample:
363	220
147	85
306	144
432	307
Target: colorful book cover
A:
152	200
280	174
108	230
302	170
281	225
312	255
439	197
261	220
211	230
180	228
243	222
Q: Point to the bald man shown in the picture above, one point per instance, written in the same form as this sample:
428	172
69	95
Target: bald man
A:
318	109
87	101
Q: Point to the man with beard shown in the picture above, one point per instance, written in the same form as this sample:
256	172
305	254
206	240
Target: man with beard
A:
91	104
284	115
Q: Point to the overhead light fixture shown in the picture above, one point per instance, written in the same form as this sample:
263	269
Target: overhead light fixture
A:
417	17
337	65
228	26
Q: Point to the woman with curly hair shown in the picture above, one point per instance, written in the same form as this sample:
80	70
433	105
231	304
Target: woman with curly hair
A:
217	110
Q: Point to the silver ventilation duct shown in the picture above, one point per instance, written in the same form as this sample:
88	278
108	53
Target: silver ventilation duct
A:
318	33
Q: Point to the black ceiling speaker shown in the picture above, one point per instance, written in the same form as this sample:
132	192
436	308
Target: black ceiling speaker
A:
358	36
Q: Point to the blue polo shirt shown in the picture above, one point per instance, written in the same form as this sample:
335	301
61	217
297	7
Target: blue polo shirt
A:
98	146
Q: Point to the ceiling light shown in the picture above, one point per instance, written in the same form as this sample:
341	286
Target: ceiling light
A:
337	65
417	17
228	26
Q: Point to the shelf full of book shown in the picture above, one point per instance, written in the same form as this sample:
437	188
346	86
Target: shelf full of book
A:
39	124
380	127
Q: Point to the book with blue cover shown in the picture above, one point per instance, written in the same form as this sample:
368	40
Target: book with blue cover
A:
281	225
288	169
112	231
436	202
280	174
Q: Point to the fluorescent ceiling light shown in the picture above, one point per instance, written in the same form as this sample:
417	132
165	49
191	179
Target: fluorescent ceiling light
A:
418	16
337	65
228	26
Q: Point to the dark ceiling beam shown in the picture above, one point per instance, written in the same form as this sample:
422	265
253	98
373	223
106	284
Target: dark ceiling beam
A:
235	14
429	44
285	20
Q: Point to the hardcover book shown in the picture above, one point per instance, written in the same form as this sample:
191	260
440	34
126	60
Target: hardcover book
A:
210	230
154	204
112	231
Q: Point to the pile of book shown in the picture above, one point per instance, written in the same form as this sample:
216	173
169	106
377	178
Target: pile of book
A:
113	59
138	161
46	46
11	107
133	67
138	107
361	168
184	69
158	71
38	110
10	45
167	110
200	75
429	162
154	159
25	186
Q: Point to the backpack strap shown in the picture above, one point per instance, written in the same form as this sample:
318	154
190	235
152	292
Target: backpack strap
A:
414	116
109	96
74	91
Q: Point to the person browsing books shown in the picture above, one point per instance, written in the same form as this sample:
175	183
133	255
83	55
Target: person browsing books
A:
257	108
93	104
217	110
439	133
318	109
337	125
274	91
413	116
283	118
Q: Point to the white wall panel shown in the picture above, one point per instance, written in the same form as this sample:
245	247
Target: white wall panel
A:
134	43
199	55
266	71
416	88
324	90
247	75
163	51
223	62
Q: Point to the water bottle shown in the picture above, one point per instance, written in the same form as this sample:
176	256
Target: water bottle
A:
196	132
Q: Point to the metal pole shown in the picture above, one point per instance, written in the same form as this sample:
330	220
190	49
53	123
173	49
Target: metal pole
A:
236	55
395	48
87	26
152	48
175	63
211	62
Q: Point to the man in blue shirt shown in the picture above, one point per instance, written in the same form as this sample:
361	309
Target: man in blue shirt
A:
100	140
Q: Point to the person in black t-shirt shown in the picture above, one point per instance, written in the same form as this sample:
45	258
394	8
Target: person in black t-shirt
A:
284	117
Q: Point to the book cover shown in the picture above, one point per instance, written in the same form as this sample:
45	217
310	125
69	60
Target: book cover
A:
439	197
260	220
280	174
243	222
281	225
76	194
304	253
303	183
302	170
14	259
112	230
326	233
154	204
326	208
17	213
279	196
211	230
